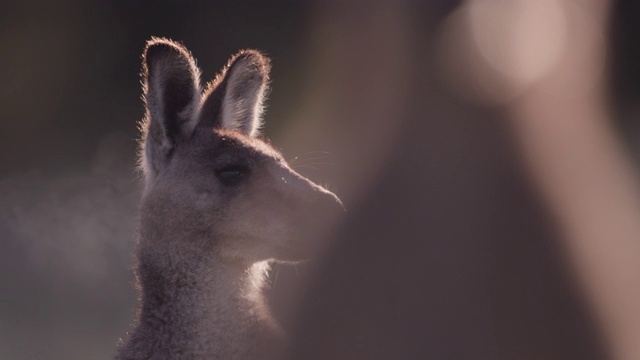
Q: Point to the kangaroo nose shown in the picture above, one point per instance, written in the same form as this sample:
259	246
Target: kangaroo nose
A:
337	200
328	199
321	202
328	206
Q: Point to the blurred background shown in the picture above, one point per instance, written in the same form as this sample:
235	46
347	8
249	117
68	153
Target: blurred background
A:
487	152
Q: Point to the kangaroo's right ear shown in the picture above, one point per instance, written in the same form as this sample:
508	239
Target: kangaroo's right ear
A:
171	85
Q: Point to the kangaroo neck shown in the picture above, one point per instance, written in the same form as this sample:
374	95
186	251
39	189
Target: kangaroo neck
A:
203	307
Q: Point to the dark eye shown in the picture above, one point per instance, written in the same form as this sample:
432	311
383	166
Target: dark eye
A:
232	174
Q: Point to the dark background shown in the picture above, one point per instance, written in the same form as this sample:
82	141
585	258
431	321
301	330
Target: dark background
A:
446	252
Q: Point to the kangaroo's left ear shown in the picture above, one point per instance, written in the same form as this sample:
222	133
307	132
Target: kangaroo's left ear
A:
235	99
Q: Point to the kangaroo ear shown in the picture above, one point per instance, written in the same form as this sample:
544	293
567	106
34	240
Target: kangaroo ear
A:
234	101
171	85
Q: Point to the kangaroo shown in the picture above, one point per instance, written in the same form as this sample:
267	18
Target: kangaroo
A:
218	205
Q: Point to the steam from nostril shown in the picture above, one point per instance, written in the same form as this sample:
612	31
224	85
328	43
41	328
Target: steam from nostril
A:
74	225
65	245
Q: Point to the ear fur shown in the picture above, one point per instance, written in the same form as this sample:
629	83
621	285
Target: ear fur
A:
235	100
171	86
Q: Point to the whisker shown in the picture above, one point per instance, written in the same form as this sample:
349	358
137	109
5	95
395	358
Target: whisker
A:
275	277
312	155
305	167
295	267
326	164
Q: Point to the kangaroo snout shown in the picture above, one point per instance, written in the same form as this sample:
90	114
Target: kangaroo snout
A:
327	206
320	205
315	215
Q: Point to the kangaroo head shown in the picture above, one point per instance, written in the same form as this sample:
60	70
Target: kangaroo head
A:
212	187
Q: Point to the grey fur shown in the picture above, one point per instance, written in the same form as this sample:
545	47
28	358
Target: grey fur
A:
206	236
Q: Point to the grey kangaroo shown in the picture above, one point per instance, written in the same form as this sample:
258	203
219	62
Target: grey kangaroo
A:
218	205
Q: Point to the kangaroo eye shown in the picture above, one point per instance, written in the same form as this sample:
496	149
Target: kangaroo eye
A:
232	175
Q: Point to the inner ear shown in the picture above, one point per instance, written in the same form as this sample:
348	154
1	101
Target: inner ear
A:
235	100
